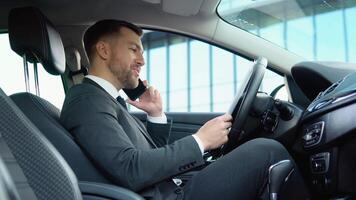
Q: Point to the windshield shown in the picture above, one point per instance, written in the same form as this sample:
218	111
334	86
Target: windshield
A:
323	30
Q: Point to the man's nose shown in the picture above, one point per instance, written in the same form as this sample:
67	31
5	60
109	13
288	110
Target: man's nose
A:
140	60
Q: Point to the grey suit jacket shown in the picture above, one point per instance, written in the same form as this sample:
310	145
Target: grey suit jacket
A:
134	157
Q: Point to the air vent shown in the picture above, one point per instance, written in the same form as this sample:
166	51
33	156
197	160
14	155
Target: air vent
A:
316	104
332	87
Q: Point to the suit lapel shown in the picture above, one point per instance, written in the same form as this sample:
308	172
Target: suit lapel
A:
138	123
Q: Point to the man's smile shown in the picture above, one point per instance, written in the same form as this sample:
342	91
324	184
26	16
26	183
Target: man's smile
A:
136	71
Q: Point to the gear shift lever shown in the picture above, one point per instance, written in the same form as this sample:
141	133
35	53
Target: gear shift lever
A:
278	174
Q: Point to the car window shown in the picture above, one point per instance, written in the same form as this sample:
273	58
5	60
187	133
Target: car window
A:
193	76
12	76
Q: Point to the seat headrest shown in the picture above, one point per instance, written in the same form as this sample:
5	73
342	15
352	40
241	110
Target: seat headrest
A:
73	58
31	33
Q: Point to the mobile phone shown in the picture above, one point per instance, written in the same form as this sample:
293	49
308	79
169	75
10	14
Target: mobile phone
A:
135	93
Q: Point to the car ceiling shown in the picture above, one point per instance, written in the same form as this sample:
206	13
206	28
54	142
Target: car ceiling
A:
196	18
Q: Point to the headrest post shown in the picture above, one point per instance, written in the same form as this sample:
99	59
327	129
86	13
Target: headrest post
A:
27	77
35	74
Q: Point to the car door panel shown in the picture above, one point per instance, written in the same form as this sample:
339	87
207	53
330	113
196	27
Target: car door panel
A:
184	124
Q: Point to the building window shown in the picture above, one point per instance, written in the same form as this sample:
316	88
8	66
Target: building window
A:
193	76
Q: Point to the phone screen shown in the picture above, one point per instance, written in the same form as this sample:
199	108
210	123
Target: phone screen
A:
135	93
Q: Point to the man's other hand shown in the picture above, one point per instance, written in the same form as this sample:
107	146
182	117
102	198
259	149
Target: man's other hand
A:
214	133
150	101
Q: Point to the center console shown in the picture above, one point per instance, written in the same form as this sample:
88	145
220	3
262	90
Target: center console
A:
328	140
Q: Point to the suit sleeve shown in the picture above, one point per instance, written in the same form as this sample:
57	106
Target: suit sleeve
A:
94	124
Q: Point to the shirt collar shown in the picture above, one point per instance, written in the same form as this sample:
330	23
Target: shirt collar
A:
106	85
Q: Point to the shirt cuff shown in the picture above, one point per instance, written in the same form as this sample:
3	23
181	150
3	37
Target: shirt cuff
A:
200	144
158	120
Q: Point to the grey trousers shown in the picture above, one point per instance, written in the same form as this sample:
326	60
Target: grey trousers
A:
243	174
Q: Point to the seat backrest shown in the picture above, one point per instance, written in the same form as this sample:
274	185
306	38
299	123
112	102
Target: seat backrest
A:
43	44
47	173
45	117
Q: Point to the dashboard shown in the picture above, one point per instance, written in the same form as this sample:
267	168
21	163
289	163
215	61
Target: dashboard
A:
326	137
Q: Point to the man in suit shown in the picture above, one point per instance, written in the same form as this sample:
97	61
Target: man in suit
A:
138	157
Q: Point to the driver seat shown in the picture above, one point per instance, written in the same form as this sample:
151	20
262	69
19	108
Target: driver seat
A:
32	36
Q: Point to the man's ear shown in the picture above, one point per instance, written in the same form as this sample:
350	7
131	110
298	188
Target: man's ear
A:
103	50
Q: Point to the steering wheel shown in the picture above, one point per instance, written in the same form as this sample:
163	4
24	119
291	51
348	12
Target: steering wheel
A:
242	103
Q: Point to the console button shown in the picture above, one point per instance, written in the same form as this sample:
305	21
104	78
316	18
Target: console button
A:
313	134
319	163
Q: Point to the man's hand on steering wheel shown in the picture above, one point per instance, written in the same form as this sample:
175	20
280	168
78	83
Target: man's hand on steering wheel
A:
214	133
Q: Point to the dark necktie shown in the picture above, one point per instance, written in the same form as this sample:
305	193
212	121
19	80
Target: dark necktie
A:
121	101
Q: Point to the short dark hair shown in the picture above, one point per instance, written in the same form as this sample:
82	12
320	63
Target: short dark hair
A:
105	27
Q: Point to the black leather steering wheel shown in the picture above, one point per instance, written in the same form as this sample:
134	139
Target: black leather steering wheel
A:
242	103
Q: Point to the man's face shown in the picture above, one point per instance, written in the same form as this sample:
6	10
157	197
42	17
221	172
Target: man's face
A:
126	59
